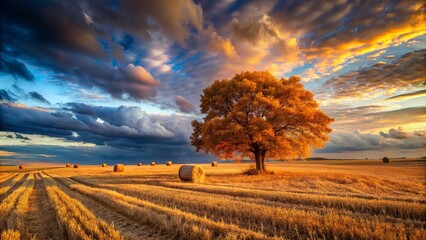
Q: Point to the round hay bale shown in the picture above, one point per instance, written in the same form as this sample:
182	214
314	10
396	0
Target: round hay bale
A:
67	165
22	166
214	164
76	165
385	160
169	163
152	163
119	168
139	164
104	164
192	173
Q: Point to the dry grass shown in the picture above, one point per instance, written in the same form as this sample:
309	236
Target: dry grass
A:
16	218
236	211
10	234
164	219
9	183
302	200
76	221
8	203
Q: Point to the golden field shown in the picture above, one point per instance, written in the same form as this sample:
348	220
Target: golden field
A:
339	199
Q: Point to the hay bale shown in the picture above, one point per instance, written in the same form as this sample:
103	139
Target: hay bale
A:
169	163
152	163
192	173
22	166
104	164
76	165
67	165
214	164
385	160
119	168
139	164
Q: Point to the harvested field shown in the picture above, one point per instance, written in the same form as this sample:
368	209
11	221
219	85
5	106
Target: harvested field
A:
303	200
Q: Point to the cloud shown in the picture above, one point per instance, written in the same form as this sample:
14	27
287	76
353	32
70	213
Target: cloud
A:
407	72
7	96
261	31
120	127
375	117
37	96
396	133
15	68
22	137
102	154
139	75
406	96
174	18
184	105
218	44
358	141
7	153
77	46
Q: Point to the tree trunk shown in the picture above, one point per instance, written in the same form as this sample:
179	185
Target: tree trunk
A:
262	159
259	163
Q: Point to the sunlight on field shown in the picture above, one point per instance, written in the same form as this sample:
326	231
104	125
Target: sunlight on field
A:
362	199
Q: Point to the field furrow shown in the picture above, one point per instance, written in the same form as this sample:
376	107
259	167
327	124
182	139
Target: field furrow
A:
415	211
183	225
128	227
75	220
8	202
16	219
40	217
359	194
286	222
9	185
5	176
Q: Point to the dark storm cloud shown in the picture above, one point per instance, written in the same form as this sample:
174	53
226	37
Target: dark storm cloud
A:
7	96
105	154
122	127
406	72
37	96
18	136
15	68
22	137
74	41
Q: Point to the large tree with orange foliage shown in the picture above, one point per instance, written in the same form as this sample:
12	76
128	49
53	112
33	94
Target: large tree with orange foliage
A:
256	115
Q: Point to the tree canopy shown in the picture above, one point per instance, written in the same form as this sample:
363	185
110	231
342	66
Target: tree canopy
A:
258	116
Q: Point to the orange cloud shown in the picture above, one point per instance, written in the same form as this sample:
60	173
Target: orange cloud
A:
335	53
7	153
23	106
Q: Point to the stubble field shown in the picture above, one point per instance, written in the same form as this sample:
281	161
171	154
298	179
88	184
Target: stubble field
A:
362	199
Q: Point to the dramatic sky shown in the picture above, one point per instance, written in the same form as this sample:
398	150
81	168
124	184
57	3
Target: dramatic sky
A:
107	81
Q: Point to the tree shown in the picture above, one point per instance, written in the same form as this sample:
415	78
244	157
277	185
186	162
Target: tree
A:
256	115
385	160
